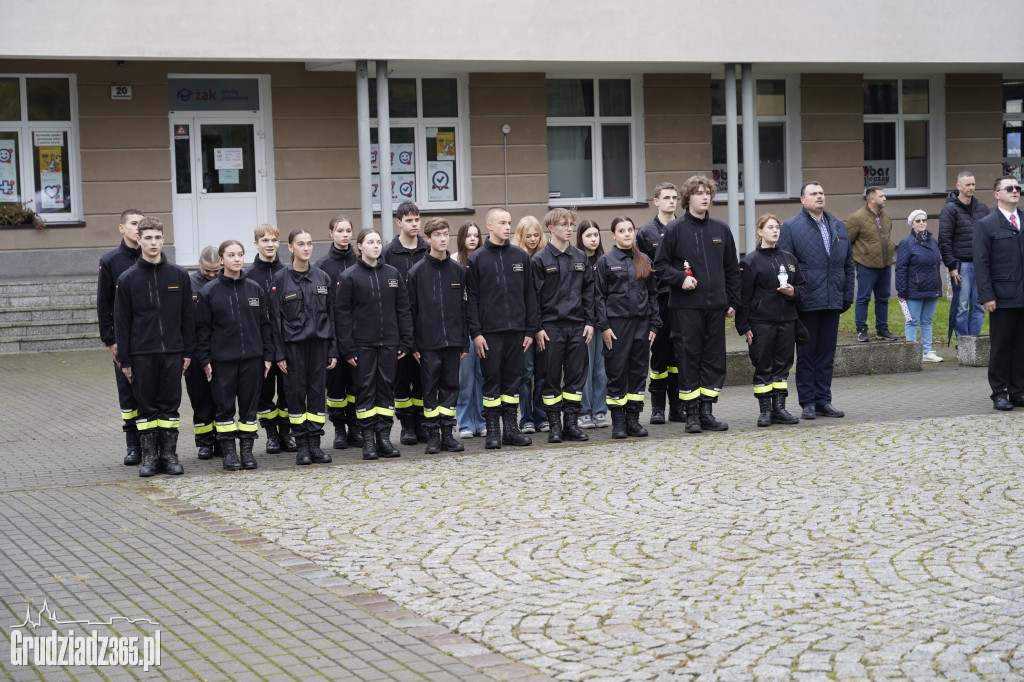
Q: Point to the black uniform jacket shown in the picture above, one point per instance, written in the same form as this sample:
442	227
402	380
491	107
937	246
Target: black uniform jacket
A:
112	264
233	322
760	300
337	261
301	308
500	290
708	246
648	238
263	272
437	295
998	260
564	281
620	294
401	258
371	308
153	311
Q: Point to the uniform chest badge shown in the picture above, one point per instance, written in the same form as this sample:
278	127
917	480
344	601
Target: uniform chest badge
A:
195	297
254	302
517	267
393	283
616	267
792	268
578	267
321	289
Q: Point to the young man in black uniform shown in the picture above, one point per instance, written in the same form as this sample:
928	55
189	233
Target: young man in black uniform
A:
564	283
340	400
437	295
155	333
405	250
273	415
697	260
664	372
196	384
502	316
112	264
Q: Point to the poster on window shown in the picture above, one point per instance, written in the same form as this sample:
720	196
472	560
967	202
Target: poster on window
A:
440	174
403	187
51	178
1013	145
402	160
374	153
225	158
8	171
48	139
446	146
879	173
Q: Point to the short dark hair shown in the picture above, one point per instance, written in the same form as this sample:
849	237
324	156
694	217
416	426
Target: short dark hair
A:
964	174
150	223
803	190
662	186
406	208
130	211
435	224
872	191
995	187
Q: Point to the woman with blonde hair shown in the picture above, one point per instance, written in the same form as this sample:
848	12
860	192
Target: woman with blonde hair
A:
530	238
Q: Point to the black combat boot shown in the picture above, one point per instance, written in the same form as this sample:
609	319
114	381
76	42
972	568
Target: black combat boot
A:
571	428
384	445
510	420
408	434
273	439
450	443
779	413
433	440
302	454
169	452
618	421
554	425
231	461
676	409
205	452
764	402
245	453
633	426
288	443
692	410
340	437
315	453
150	455
422	432
217	452
657	390
133	455
492	416
707	419
355	430
369	442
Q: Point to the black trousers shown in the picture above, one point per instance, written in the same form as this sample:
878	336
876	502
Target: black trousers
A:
240	380
126	400
340	397
267	408
814	359
771	353
1006	359
502	369
663	364
408	389
626	363
156	380
373	382
565	363
439	374
304	385
203	410
698	336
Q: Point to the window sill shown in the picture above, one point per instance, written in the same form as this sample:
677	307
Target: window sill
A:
49	226
435	211
589	203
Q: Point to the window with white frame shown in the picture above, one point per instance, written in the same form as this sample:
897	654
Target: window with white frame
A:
897	118
429	142
771	141
592	140
1013	125
39	145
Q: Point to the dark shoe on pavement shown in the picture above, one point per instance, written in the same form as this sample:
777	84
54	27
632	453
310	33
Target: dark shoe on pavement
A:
886	334
863	336
1002	403
1017	401
826	410
809	413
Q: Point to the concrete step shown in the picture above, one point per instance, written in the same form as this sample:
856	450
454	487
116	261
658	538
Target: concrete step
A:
41	345
41	299
18	331
39	286
80	313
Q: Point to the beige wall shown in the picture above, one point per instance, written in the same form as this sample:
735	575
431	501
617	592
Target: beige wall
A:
974	129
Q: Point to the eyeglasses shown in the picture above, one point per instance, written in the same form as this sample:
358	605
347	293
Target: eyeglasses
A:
1012	188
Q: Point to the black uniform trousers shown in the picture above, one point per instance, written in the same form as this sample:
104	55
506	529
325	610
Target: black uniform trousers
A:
439	374
267	409
663	365
203	409
340	398
373	382
771	352
304	385
814	359
566	365
408	389
502	369
626	363
239	380
126	400
156	380
698	336
1006	360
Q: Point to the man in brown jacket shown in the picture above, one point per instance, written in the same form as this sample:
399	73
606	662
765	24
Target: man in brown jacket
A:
870	230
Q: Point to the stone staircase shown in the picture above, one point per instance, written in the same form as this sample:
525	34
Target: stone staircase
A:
48	314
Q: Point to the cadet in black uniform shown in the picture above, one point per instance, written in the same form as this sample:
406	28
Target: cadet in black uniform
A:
112	264
302	311
155	333
664	370
626	306
340	400
564	282
697	260
502	316
196	384
401	253
437	296
373	325
273	415
771	288
234	348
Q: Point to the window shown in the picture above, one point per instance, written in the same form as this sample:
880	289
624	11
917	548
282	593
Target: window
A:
429	145
592	144
1013	123
39	145
771	141
897	116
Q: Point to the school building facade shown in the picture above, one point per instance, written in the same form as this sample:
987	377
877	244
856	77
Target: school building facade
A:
251	114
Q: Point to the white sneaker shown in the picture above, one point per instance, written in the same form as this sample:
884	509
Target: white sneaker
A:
599	420
931	356
466	433
586	422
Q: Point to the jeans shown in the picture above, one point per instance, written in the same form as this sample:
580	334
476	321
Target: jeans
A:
877	281
531	402
471	394
595	399
922	310
969	313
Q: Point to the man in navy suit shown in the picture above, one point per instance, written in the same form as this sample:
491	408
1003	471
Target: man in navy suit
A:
999	268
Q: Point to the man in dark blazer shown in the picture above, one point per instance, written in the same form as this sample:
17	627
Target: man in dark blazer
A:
821	245
999	268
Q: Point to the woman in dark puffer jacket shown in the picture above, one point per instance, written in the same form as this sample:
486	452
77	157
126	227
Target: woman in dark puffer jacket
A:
918	282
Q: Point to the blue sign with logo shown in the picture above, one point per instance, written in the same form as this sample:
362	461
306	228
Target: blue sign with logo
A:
213	94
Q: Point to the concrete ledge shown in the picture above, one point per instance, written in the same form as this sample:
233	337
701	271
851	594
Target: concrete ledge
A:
890	357
973	351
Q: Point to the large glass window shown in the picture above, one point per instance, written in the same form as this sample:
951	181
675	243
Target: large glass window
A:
591	140
38	145
896	133
771	116
429	145
1013	124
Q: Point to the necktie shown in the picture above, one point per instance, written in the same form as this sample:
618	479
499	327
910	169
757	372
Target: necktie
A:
1013	221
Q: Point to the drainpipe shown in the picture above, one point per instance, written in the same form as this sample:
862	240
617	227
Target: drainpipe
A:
751	165
363	128
387	220
732	170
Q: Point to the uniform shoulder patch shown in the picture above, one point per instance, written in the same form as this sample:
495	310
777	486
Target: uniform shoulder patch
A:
254	302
